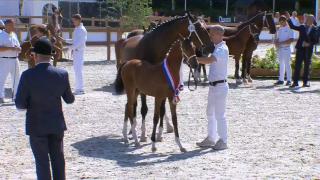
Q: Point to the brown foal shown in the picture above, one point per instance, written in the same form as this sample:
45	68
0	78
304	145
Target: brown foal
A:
142	77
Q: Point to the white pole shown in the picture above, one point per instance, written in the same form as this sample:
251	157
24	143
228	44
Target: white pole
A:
227	6
274	5
317	10
185	5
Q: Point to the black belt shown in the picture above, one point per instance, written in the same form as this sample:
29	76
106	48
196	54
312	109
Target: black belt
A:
214	83
9	57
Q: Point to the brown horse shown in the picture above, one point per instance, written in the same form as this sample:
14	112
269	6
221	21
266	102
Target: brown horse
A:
52	31
141	76
154	45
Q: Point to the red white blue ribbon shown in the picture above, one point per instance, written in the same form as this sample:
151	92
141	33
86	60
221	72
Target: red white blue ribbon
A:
174	84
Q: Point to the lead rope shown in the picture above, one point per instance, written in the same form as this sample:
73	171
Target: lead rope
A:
191	73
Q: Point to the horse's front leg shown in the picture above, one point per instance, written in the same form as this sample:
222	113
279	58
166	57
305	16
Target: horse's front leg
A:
144	111
162	114
248	57
173	108
237	67
204	73
157	107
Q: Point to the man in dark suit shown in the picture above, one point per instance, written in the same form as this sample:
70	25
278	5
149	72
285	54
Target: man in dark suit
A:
304	49
39	92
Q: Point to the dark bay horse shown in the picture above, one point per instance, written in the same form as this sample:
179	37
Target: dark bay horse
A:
153	46
245	41
52	31
141	76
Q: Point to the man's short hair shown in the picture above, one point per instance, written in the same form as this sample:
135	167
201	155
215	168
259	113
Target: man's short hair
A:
8	21
77	16
217	28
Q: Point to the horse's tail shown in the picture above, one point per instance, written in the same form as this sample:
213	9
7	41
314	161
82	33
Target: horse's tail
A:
118	84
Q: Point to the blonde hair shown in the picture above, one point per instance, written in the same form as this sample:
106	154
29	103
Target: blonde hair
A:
217	28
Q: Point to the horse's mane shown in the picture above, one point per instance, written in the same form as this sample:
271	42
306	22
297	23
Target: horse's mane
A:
165	24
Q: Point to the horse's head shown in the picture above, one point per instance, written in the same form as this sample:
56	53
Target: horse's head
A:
269	23
189	53
198	32
56	19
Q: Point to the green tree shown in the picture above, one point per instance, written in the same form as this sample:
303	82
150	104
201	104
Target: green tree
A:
134	13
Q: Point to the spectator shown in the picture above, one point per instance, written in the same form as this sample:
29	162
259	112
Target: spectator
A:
304	49
284	39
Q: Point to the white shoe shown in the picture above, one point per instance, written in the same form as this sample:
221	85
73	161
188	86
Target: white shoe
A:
206	143
78	92
220	145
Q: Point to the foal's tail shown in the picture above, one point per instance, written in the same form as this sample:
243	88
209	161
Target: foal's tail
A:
118	83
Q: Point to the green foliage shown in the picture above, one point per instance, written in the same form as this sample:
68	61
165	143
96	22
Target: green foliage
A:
134	12
268	62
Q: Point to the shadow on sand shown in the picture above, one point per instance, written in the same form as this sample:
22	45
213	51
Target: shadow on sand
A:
111	147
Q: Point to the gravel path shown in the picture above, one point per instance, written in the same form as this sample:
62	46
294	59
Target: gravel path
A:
273	133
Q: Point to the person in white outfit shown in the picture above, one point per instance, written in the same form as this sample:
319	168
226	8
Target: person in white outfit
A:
294	18
2	27
218	90
78	47
9	64
285	37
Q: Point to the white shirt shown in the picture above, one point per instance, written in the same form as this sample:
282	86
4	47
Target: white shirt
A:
285	33
79	38
219	69
9	40
295	21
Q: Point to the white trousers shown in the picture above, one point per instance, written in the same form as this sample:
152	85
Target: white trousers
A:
216	108
284	57
78	58
9	66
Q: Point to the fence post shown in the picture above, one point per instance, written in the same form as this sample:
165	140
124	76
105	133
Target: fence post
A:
108	45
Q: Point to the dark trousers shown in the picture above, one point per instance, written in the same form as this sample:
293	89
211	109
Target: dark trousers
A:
303	55
44	147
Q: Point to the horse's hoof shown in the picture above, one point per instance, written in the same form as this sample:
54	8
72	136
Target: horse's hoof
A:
238	81
143	139
154	149
137	144
205	79
183	150
250	80
126	141
169	129
245	81
159	139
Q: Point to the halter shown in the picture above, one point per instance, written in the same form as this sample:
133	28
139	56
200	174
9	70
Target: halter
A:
192	29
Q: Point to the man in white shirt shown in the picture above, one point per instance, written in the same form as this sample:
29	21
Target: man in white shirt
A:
294	18
1	26
9	50
285	37
78	46
218	90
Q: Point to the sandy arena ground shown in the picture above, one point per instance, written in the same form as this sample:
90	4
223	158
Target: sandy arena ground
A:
274	133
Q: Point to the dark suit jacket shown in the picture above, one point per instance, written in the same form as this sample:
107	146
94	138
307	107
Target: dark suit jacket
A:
40	90
304	36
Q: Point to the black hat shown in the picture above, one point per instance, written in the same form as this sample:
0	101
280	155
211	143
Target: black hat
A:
43	46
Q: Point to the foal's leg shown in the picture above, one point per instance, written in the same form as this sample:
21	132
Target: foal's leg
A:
144	111
173	108
155	122
162	114
125	125
131	101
